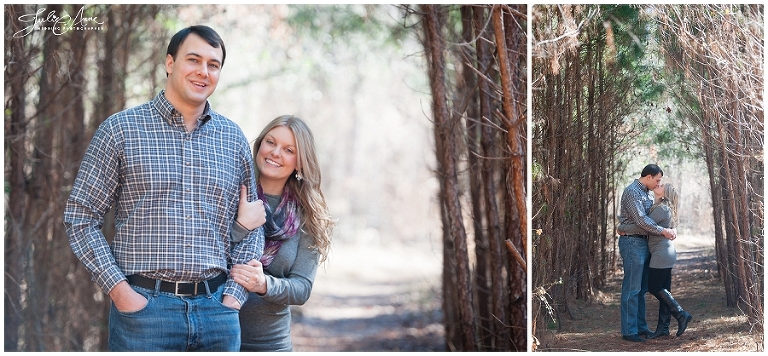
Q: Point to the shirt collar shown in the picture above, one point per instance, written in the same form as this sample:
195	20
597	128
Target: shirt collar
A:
641	185
172	116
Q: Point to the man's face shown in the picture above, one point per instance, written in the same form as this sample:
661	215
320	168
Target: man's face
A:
194	74
651	182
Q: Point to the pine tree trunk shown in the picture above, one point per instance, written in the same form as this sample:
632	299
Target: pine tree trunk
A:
444	131
16	76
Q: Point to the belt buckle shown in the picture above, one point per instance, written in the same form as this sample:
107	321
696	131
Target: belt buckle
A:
176	289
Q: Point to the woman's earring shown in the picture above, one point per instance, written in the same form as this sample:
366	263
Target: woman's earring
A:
298	176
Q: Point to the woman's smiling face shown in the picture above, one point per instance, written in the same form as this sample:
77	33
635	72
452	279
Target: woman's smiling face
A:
277	156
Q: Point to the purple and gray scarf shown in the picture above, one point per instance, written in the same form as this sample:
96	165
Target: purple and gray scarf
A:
282	224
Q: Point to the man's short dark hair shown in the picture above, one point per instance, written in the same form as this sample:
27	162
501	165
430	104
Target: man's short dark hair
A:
651	170
205	32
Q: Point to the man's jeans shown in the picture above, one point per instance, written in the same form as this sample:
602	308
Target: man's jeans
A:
635	256
171	323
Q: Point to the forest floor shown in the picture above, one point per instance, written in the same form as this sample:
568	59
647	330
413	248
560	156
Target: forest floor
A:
372	297
595	326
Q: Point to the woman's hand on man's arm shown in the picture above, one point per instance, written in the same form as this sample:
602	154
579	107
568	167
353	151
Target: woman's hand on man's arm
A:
250	215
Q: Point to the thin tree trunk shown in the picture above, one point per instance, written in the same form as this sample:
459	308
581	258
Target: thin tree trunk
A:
72	145
16	76
42	195
447	169
470	16
514	119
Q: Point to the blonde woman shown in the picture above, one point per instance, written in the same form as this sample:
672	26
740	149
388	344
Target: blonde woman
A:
663	256
298	234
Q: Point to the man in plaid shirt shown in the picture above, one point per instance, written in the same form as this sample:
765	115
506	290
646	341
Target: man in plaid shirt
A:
635	203
177	173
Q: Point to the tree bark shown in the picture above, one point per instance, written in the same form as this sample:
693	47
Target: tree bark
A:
447	169
16	76
471	98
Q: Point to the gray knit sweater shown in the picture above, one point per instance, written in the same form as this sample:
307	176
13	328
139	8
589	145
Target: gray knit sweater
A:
663	254
265	320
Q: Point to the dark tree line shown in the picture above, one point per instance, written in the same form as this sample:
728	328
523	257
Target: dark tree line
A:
479	118
715	55
586	69
58	88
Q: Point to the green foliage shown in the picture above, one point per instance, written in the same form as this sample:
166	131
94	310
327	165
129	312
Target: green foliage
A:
675	138
665	130
341	22
630	33
659	125
671	108
646	87
535	170
169	22
454	18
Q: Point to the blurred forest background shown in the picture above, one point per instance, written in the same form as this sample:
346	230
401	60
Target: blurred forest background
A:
616	87
419	116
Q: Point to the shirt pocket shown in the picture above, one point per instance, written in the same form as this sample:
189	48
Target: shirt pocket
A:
152	169
220	187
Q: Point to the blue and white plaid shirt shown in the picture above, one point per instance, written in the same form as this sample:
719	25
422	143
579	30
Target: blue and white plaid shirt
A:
635	203
176	195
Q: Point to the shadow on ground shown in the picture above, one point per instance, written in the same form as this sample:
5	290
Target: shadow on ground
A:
595	325
398	319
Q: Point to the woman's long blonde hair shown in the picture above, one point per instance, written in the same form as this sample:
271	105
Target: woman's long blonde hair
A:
671	199
315	217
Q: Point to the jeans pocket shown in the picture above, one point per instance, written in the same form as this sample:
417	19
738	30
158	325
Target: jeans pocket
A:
144	294
220	300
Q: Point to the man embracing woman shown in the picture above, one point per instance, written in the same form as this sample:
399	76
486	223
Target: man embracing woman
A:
647	229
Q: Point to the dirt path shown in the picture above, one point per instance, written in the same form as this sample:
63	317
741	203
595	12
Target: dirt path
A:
595	326
373	298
